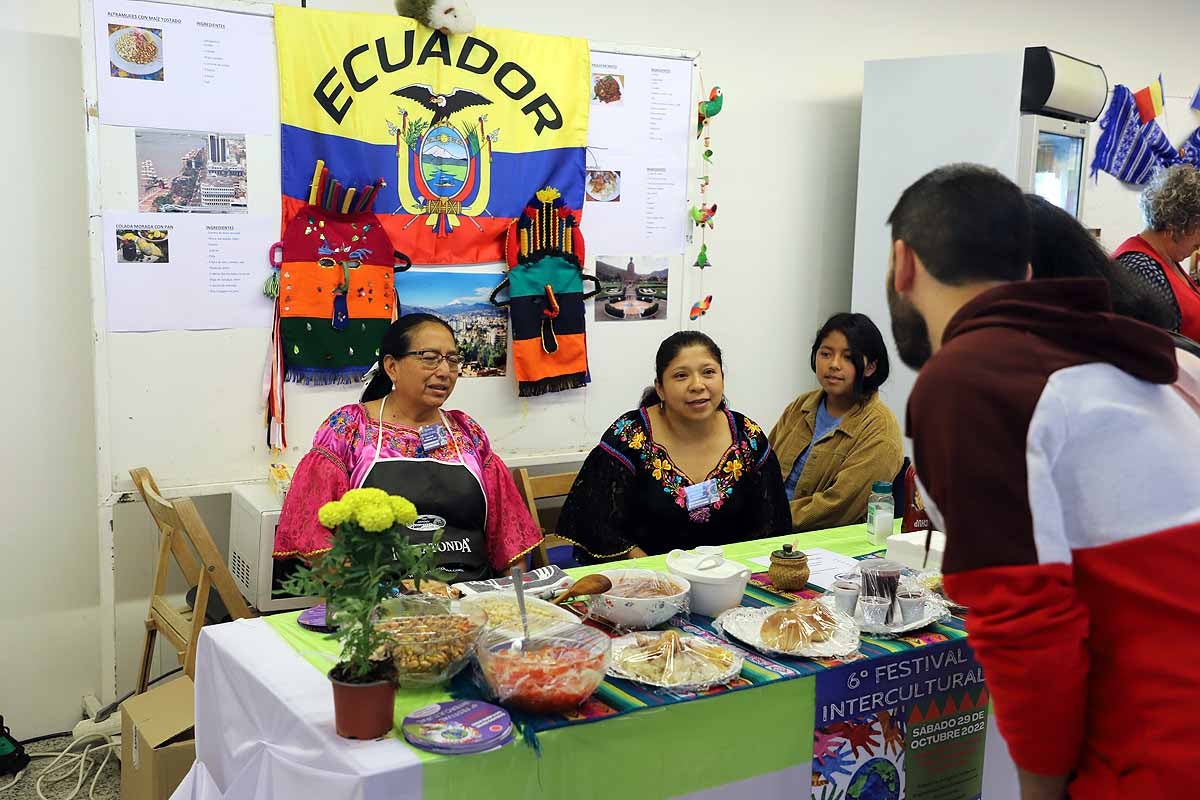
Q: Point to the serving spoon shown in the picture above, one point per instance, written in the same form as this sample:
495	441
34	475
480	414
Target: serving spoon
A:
587	585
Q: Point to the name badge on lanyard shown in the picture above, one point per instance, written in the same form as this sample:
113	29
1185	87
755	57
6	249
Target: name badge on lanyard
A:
700	495
433	437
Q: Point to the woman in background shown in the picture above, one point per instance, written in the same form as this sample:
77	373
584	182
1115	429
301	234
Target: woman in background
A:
836	441
398	439
1062	248
679	471
1171	206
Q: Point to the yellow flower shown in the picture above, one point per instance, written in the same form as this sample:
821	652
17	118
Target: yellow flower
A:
333	514
661	467
357	498
734	468
637	440
752	428
404	511
374	517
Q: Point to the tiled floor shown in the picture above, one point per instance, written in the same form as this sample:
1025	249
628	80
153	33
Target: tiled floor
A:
108	787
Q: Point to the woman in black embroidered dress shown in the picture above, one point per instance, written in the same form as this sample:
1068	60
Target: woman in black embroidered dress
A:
680	471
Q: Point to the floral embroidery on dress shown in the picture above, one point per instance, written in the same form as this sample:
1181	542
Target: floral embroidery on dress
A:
733	467
655	460
338	421
620	426
661	467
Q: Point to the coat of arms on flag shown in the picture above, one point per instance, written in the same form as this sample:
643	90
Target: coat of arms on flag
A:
462	129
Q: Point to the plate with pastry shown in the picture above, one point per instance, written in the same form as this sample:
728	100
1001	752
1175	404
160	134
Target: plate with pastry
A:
806	628
673	660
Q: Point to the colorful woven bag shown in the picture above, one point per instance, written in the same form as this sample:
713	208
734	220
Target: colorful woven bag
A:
336	292
544	250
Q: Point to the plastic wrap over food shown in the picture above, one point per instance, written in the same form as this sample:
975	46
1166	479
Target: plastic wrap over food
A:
931	580
503	613
881	579
544	582
430	648
672	660
802	624
806	628
641	599
544	674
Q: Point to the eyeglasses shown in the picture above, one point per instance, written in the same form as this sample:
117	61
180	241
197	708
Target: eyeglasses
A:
431	358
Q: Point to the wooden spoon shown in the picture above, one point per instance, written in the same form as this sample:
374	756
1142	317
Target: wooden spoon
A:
587	585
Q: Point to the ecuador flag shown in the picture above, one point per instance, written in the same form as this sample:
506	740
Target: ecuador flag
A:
462	129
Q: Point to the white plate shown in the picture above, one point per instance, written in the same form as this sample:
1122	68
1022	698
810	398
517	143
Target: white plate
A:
611	190
745	625
129	66
622	643
537	625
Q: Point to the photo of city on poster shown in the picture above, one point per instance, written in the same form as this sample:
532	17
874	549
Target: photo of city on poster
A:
191	172
461	298
632	288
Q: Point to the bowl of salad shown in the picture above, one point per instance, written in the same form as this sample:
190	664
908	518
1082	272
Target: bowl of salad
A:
544	674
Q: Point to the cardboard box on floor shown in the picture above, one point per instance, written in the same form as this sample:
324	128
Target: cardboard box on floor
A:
158	742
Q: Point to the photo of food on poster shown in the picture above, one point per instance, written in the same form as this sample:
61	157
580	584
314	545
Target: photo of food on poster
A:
635	189
162	65
185	271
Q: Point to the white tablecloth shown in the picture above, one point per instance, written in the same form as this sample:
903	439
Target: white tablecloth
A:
264	731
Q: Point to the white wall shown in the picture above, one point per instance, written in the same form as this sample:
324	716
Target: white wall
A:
784	178
49	593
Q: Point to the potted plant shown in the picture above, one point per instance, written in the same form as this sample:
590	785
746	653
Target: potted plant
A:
369	557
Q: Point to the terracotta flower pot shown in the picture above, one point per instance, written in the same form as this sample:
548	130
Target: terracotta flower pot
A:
362	710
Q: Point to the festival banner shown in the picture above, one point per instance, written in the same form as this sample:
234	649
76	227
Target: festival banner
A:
912	726
453	134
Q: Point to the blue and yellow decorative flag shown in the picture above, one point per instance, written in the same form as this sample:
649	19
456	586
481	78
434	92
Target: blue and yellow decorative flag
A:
462	129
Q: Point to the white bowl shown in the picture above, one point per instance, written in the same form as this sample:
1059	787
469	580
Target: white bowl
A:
718	583
639	613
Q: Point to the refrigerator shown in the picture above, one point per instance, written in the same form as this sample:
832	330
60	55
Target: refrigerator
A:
1025	112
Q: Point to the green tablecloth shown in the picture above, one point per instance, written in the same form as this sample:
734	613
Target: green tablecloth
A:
660	752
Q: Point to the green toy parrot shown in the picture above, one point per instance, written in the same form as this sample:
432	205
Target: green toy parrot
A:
707	109
702	258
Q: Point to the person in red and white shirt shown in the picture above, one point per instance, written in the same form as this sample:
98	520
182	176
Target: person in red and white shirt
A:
1058	446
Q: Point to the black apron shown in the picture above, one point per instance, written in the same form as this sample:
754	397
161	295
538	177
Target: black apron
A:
447	490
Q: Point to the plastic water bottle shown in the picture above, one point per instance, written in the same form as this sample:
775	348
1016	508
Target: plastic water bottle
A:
881	511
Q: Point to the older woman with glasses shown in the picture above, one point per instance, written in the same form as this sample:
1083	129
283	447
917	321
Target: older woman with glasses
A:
398	439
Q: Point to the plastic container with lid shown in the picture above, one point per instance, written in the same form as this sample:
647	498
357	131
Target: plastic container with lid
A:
717	582
881	512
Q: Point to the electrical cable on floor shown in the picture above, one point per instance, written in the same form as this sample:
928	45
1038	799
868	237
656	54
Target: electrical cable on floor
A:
74	758
108	710
82	759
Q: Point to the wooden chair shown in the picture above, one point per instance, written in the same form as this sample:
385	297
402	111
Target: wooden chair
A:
537	488
186	538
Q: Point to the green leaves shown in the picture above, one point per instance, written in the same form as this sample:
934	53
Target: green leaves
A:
360	570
